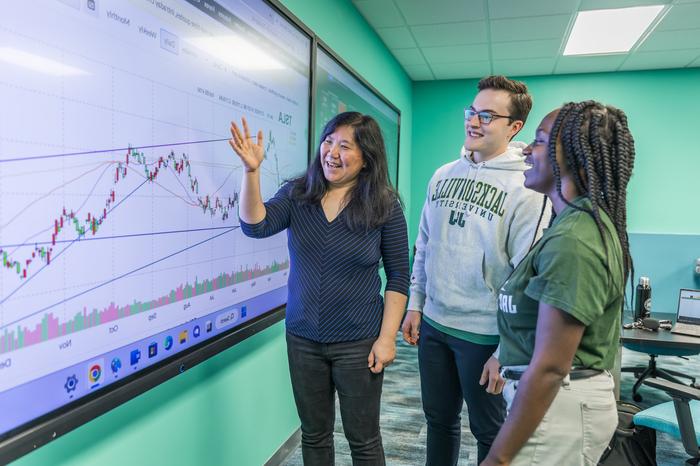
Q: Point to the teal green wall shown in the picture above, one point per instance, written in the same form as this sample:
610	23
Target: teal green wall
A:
662	107
236	408
668	260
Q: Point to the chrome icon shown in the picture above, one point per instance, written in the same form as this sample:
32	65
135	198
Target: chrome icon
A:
94	374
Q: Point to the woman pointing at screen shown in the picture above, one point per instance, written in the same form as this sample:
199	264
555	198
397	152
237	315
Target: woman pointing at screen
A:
342	218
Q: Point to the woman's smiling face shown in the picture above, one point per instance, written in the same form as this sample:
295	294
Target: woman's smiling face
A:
341	157
540	177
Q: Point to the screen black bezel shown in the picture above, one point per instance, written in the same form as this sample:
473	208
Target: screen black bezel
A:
42	430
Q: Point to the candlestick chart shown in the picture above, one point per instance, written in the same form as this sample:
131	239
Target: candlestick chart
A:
72	225
119	191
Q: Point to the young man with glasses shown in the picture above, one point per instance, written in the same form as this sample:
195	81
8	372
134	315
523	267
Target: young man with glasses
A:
477	223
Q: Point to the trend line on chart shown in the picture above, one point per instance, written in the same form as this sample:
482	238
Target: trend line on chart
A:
103	151
110	280
90	224
129	235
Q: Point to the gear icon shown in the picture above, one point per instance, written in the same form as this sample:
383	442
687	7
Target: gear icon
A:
71	383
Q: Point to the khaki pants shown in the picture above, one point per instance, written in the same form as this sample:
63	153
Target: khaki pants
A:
577	427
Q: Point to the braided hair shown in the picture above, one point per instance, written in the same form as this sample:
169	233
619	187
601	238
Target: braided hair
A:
599	152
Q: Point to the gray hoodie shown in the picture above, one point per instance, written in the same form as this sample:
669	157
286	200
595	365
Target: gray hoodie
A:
477	223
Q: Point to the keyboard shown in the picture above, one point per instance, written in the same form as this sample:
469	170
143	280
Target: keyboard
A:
686	329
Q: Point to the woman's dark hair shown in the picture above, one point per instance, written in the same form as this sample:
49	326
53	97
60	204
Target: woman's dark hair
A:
372	199
599	152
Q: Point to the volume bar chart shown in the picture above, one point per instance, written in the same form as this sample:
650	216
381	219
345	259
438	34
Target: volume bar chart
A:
51	327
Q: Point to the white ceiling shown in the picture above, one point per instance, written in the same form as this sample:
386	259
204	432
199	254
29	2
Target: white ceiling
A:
454	39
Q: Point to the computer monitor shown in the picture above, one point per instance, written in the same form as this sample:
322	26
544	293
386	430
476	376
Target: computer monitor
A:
689	306
120	245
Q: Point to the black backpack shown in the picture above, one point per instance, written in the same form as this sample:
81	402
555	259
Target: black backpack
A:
631	445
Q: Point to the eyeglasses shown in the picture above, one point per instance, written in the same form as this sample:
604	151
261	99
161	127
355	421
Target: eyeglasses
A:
484	117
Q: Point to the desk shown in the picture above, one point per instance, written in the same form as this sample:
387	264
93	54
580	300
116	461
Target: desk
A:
660	342
659	339
649	342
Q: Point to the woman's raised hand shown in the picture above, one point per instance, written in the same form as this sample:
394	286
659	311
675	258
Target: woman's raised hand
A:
251	153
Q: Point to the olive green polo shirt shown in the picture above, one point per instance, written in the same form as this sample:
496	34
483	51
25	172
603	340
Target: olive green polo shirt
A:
573	269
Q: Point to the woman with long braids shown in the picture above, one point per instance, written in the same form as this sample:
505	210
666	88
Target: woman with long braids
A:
559	311
342	217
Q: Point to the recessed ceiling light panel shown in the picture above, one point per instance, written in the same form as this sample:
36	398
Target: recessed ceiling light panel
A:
610	31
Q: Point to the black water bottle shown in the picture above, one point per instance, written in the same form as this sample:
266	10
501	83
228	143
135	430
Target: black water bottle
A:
642	300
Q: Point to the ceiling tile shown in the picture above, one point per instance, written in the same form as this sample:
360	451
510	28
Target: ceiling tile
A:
396	38
449	39
419	72
457	53
474	69
610	4
545	27
525	49
380	13
681	17
663	59
517	8
446	11
436	35
589	64
409	56
671	40
529	67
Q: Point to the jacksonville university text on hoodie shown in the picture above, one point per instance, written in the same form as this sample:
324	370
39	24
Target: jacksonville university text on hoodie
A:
478	222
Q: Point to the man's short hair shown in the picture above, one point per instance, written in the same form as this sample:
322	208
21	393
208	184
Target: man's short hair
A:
520	100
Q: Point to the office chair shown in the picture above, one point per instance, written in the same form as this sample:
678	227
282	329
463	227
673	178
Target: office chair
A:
651	369
677	418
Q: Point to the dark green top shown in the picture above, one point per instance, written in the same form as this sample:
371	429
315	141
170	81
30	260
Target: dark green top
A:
573	269
471	337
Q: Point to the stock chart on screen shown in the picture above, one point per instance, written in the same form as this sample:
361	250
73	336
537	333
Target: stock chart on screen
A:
120	243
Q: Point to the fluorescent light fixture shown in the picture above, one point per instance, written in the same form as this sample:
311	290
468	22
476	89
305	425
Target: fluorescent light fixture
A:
236	52
38	63
609	31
